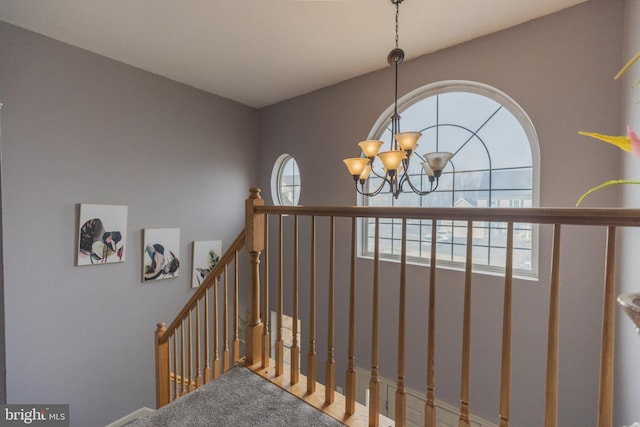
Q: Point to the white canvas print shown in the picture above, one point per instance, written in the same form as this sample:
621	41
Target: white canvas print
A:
161	254
206	255
102	234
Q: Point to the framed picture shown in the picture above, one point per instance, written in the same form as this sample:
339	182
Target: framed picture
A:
206	254
102	234
160	254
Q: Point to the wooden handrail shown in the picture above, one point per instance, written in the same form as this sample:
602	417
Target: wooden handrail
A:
207	283
566	216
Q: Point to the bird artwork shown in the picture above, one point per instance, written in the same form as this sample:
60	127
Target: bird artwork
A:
160	265
206	255
102	234
201	273
161	256
99	244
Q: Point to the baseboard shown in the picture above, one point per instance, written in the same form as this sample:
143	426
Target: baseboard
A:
139	413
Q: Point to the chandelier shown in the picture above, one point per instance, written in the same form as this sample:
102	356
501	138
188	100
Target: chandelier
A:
403	145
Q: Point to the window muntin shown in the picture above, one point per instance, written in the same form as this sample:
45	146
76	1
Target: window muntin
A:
285	181
495	165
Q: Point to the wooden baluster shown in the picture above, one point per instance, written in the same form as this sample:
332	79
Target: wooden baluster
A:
605	395
311	355
189	354
279	337
330	365
207	365
216	358
295	347
350	392
505	376
236	314
198	349
374	381
430	403
225	323
551	396
163	384
175	365
266	334
401	397
183	388
466	334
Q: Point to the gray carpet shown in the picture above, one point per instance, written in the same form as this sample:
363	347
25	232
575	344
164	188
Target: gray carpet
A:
237	398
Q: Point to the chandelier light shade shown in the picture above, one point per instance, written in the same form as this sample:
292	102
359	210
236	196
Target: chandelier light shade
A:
403	146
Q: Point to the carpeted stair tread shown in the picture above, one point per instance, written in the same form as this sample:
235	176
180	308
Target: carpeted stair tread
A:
237	398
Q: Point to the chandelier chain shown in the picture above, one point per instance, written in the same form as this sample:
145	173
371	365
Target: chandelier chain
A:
397	3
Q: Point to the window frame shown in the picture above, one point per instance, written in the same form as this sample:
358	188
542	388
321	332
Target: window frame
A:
442	87
276	180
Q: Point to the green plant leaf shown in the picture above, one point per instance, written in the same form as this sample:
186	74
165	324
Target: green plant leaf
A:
606	184
627	66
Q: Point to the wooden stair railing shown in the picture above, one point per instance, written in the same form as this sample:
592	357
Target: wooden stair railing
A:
285	268
188	351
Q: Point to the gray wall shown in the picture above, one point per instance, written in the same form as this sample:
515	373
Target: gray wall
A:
80	128
627	382
559	69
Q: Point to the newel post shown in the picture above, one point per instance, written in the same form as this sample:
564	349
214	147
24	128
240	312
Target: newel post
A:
162	368
254	237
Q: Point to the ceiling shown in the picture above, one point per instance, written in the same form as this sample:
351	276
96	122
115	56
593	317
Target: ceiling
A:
259	52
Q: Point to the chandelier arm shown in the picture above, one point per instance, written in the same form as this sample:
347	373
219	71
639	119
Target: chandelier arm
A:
362	192
377	174
404	177
432	188
373	193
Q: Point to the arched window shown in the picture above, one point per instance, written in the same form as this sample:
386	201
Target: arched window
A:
285	181
495	164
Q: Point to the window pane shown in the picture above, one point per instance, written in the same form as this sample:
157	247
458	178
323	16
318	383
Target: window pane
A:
466	109
289	182
507	141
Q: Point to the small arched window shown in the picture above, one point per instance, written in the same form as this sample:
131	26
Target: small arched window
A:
495	164
285	181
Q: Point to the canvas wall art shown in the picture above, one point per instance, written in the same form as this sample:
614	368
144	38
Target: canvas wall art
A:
206	254
102	234
161	253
